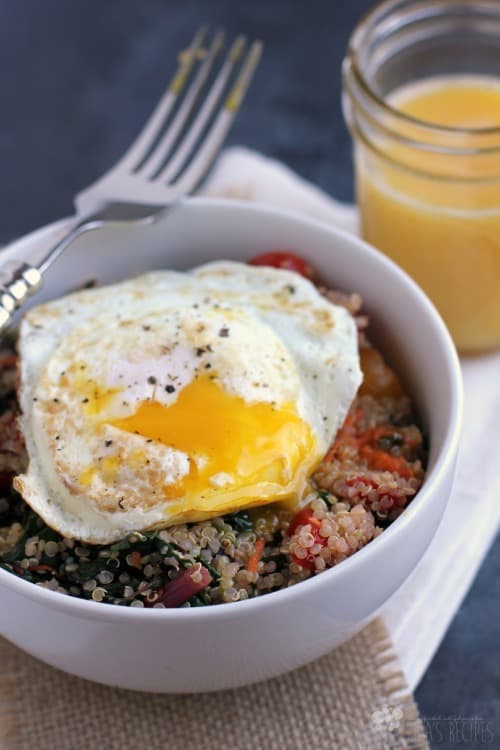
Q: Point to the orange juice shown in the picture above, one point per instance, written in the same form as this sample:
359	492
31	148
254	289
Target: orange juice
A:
437	213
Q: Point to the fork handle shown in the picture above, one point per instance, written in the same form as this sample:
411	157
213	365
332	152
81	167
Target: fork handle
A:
18	280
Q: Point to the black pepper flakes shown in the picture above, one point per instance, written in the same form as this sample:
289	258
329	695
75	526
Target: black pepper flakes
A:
107	443
170	388
152	380
224	332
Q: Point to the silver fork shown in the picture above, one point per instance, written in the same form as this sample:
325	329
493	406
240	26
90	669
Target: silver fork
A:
168	159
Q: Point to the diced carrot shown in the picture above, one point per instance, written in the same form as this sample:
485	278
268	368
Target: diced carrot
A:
382	461
254	559
346	435
351	420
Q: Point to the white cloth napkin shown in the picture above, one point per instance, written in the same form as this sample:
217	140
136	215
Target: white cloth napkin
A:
419	614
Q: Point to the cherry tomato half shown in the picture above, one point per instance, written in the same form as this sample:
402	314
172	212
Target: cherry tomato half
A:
288	261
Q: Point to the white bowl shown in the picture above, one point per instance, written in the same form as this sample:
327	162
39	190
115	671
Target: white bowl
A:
225	646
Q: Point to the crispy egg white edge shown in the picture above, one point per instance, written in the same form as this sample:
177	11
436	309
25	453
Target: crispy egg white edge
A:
52	318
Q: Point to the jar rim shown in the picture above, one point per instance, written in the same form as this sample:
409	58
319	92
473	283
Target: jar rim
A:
438	177
367	21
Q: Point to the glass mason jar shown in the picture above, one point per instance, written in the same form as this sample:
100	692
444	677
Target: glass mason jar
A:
429	195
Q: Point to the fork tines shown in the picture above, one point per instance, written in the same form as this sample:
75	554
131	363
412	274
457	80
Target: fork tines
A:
189	124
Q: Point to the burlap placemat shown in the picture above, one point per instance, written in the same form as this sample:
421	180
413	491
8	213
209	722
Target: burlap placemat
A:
353	699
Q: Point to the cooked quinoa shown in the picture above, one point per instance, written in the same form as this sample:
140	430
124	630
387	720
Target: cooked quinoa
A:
370	474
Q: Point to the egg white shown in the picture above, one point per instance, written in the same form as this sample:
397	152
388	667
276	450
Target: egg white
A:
91	359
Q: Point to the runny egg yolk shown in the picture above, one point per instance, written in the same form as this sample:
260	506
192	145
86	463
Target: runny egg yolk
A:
237	450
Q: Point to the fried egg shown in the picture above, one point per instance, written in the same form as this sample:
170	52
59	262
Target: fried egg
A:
176	397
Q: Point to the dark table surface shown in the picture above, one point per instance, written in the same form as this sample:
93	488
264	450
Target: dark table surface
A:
77	80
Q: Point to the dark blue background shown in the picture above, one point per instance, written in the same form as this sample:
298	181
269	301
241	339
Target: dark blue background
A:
77	79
